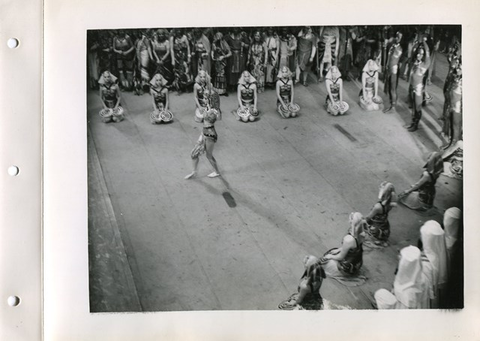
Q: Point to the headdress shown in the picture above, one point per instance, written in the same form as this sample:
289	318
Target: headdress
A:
433	240
158	76
280	73
104	74
367	68
242	78
331	70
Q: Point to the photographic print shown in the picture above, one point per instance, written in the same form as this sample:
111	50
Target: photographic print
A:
275	168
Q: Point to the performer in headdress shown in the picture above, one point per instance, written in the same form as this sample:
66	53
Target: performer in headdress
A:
421	195
308	296
247	98
286	107
334	103
159	92
110	97
369	99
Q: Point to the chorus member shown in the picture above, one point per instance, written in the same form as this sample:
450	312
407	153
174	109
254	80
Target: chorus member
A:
144	56
452	115
160	100
377	219
452	220
344	263
110	97
162	54
334	103
287	48
308	296
234	67
385	299
328	45
392	71
257	57
345	50
417	83
180	51
205	144
124	48
105	52
369	99
411	285
285	94
247	98
220	54
306	52
434	261
93	59
202	51
421	195
272	44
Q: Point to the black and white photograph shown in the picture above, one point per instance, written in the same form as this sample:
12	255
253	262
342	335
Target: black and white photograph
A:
275	168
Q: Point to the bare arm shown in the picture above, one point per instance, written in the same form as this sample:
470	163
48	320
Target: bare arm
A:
376	85
292	92
167	43
423	180
101	98
329	91
348	243
239	96
167	99
195	93
172	51
340	81
376	209
118	98
278	94
255	97
364	82
153	99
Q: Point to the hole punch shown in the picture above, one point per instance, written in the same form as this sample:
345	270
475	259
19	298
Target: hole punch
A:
13	301
13	43
13	170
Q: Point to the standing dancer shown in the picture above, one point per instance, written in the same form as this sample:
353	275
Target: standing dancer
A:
417	83
180	51
205	144
273	46
392	72
257	57
220	54
306	52
327	49
123	48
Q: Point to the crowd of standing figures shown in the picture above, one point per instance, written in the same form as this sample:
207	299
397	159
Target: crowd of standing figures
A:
213	62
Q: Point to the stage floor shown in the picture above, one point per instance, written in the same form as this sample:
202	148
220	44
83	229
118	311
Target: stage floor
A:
158	242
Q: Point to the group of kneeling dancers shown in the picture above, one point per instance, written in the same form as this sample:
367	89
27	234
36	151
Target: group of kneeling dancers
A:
207	102
425	272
